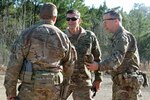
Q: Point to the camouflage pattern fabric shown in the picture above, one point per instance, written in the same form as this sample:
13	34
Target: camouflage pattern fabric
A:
27	92
50	52
124	52
123	63
86	45
80	93
127	86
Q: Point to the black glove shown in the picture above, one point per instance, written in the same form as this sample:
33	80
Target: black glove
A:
94	91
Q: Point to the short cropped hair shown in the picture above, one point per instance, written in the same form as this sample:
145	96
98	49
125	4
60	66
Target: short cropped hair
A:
114	14
73	11
48	11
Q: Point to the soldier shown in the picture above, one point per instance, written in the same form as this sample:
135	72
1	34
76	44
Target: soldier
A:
45	52
123	60
88	50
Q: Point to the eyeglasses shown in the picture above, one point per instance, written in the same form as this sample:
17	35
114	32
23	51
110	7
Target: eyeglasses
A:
109	19
72	19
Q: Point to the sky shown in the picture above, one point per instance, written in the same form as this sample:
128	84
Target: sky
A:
127	5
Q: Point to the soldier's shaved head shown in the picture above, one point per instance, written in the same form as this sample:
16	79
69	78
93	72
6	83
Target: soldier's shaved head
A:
48	11
74	11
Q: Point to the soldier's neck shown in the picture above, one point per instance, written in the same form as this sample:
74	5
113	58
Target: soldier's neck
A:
75	31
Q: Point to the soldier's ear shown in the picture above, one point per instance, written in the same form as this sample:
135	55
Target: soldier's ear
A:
80	20
54	19
117	22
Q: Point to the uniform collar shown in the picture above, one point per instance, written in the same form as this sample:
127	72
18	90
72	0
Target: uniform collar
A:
43	21
82	32
120	30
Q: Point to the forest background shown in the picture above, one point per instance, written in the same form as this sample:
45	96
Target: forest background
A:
16	15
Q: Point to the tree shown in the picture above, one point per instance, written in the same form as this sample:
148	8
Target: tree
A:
140	26
16	15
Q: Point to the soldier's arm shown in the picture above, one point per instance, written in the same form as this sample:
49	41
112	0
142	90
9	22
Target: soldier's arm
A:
68	66
69	60
96	51
13	69
117	56
14	66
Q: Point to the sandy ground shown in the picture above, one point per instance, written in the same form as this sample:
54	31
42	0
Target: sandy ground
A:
103	94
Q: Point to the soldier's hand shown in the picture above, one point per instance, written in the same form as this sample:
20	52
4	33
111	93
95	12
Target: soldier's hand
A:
95	87
10	98
96	84
92	66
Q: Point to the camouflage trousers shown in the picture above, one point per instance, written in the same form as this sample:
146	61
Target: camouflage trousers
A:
126	87
126	93
80	93
28	92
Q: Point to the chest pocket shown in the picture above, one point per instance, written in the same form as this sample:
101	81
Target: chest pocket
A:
84	44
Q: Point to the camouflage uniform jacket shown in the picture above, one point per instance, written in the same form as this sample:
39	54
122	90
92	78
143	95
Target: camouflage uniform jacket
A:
86	44
46	47
124	53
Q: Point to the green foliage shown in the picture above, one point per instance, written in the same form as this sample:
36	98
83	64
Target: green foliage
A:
4	53
138	23
144	46
16	15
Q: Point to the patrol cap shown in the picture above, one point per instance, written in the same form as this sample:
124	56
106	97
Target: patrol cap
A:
114	12
48	11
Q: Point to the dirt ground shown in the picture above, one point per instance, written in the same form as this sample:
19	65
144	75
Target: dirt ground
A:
103	94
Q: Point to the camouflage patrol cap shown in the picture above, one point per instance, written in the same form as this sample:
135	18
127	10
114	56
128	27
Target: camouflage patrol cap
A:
48	10
114	14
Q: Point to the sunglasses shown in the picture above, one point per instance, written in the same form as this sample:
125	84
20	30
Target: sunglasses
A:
72	19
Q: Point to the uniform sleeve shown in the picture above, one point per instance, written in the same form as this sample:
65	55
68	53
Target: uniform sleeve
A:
14	65
97	57
119	49
69	60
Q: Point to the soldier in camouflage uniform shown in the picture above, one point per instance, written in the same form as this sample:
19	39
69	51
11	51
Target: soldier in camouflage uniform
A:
88	50
123	61
48	52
